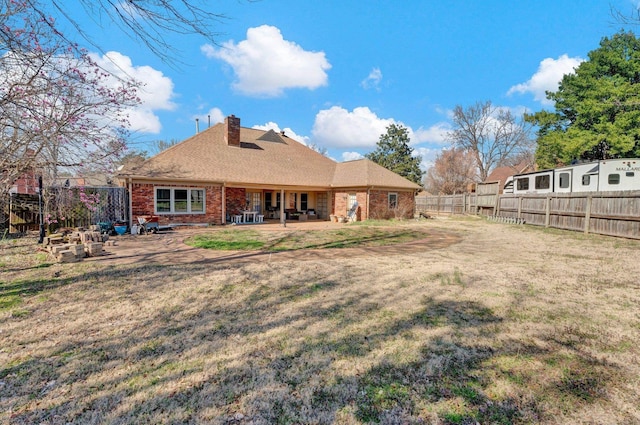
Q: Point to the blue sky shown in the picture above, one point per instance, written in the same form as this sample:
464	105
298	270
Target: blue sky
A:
337	73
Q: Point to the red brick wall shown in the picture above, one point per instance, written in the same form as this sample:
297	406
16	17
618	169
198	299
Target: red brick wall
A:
362	213
27	183
236	199
142	197
379	204
341	201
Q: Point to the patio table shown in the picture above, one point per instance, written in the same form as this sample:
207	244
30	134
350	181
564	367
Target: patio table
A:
246	214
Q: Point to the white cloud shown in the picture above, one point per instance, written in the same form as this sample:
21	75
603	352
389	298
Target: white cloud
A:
373	79
266	64
287	131
436	134
547	78
428	156
351	156
338	128
156	93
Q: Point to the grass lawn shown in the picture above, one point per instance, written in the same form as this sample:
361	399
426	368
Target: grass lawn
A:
509	325
347	237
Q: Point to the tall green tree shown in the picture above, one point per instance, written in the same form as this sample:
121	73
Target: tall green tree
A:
597	109
394	153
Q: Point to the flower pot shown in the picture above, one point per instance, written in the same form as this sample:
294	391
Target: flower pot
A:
333	218
120	229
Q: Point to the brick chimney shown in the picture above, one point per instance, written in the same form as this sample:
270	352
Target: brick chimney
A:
232	127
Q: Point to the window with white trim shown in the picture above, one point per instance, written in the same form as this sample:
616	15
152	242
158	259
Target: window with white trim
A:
393	201
179	201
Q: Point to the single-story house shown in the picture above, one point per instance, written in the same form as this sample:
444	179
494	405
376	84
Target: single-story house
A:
227	169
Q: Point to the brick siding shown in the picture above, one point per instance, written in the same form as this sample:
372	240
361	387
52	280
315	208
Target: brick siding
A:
236	199
341	201
142	203
379	204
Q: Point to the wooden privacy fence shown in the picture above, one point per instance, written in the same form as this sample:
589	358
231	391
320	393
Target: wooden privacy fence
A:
483	201
463	203
605	213
20	213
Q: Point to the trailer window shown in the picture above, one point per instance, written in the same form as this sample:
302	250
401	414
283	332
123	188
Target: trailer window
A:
630	174
564	180
523	184
614	179
586	180
542	182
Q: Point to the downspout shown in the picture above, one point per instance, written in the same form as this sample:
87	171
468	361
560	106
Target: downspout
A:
223	219
130	187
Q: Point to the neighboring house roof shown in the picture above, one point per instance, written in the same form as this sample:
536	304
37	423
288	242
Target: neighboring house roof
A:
501	174
92	180
263	157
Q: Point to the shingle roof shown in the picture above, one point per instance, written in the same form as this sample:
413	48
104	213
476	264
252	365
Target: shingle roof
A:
364	172
501	174
264	157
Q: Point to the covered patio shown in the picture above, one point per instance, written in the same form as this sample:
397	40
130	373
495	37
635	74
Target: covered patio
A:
255	205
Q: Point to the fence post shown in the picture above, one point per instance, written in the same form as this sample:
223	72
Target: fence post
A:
587	214
10	212
519	207
547	211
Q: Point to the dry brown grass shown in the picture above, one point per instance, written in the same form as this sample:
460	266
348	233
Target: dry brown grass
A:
482	330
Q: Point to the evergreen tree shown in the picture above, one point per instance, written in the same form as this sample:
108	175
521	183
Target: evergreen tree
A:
395	154
597	109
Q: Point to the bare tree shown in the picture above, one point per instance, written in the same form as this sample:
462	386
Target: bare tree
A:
145	21
58	109
452	172
490	133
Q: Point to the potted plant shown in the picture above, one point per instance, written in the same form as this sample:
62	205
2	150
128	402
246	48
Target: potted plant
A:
120	227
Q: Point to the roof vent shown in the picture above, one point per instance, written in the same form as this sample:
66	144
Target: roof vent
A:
271	136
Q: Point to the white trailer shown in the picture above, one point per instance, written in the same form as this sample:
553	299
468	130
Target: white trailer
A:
599	176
